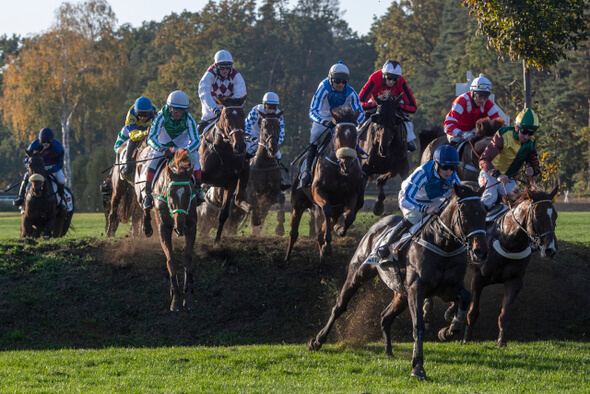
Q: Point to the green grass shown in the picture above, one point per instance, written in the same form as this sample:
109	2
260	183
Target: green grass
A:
548	366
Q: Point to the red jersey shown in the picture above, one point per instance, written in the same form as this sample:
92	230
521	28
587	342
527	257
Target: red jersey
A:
376	86
463	114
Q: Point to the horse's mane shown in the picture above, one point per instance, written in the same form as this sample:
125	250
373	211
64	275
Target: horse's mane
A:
386	95
344	115
487	127
182	158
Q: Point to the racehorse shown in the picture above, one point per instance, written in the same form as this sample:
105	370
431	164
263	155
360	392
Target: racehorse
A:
176	210
123	201
263	189
208	213
223	157
469	151
530	220
336	187
385	145
41	212
434	261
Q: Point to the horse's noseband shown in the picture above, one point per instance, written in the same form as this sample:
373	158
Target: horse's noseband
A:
167	199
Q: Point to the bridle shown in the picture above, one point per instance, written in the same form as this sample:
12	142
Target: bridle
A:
535	237
342	153
226	137
167	199
266	144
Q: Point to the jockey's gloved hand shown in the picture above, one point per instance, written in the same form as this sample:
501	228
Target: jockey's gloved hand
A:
468	135
217	112
169	153
328	123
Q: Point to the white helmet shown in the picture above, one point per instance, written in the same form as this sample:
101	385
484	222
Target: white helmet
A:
481	84
339	71
223	56
177	99
271	98
392	67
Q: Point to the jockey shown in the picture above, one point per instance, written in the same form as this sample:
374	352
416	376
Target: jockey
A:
220	80
174	128
270	104
468	108
510	148
139	120
53	158
423	193
389	79
332	92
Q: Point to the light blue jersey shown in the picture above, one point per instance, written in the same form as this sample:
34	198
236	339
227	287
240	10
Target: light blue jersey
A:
326	99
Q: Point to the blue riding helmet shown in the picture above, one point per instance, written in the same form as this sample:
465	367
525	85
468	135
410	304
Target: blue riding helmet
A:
45	134
143	104
446	155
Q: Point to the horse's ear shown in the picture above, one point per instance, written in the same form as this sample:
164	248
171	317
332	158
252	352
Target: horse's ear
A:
554	192
280	113
28	153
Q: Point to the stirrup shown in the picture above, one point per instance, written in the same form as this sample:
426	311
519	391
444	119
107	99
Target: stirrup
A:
18	202
148	202
383	252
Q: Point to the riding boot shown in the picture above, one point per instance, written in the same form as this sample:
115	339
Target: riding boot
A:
62	196
384	251
20	199
307	176
127	170
285	183
199	191
148	201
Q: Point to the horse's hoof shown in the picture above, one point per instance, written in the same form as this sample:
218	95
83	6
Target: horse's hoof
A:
312	345
449	316
501	344
378	208
442	335
419	372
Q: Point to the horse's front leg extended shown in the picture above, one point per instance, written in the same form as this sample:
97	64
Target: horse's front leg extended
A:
349	215
325	236
397	306
478	282
511	290
415	303
224	212
295	220
452	331
379	205
165	232
187	259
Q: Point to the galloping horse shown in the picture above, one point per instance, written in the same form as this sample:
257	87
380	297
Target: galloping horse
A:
263	189
123	202
385	145
469	151
176	209
336	187
434	263
208	213
223	157
41	215
529	221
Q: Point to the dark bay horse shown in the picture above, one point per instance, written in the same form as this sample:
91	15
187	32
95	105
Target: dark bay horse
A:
208	213
336	187
223	157
264	184
41	214
123	204
385	145
176	211
530	221
469	151
433	263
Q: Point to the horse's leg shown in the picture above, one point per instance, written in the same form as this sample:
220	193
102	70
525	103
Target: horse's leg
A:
354	280
428	309
511	290
147	223
166	242
380	182
397	306
280	229
240	189
190	236
349	216
477	285
450	332
224	212
415	304
295	220
325	236
115	201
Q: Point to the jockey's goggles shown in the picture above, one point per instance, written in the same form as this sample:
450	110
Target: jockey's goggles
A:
483	94
391	77
339	81
271	106
224	66
145	114
47	141
526	130
177	109
445	167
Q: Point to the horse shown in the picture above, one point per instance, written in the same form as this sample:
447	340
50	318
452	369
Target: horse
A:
208	213
41	212
530	220
223	157
337	185
469	151
433	262
176	210
123	203
385	145
263	189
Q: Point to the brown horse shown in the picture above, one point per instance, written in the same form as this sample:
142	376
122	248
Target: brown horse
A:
41	214
530	221
123	204
433	262
385	146
336	187
263	189
469	151
176	210
223	157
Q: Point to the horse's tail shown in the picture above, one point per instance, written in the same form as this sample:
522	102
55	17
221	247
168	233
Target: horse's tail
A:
426	136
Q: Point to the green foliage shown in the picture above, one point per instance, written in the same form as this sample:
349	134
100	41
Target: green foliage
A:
538	32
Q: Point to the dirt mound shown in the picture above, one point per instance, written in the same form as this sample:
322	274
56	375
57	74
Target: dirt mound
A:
102	293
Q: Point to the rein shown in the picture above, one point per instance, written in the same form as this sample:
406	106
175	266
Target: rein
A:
535	240
167	198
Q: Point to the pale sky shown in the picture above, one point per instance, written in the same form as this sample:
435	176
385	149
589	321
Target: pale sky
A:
30	17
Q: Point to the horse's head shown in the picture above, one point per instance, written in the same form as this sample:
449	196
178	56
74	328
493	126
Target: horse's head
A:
36	164
178	192
37	185
387	132
535	212
270	129
345	137
487	127
232	123
467	216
